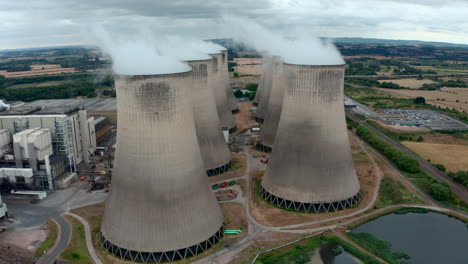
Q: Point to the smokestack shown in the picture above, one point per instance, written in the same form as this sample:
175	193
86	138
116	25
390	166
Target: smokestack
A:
218	84
215	153
259	92
274	106
160	207
265	86
230	94
311	168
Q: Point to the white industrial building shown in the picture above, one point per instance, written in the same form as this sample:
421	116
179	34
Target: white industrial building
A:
18	176
3	208
72	132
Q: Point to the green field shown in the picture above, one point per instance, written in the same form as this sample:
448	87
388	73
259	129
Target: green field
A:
38	84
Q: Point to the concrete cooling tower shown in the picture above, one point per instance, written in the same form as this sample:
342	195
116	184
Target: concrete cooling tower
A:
160	207
311	168
265	86
230	94
218	84
216	155
274	106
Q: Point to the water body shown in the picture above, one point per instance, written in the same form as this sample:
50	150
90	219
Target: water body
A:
428	238
346	258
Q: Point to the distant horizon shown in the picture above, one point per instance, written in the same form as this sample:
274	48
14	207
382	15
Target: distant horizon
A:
67	45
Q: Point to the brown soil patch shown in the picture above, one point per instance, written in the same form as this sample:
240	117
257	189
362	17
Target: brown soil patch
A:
409	82
269	215
444	139
234	219
453	157
29	239
12	254
244	118
447	97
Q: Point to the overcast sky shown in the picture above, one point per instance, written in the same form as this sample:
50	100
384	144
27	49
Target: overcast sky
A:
31	23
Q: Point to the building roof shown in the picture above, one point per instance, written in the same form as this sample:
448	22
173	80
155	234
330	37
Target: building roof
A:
62	106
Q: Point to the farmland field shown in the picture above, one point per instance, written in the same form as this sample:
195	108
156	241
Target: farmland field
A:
39	84
454	98
409	82
453	157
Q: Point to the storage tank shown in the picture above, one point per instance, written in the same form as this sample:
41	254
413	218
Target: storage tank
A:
218	84
274	106
311	167
160	207
229	92
215	152
265	87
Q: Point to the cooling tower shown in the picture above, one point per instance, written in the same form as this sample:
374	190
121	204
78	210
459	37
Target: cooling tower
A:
274	105
311	168
218	84
213	147
160	206
230	94
265	86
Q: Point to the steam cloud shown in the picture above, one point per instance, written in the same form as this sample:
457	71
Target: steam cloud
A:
302	49
136	55
187	48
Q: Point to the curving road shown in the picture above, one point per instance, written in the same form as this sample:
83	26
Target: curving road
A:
64	237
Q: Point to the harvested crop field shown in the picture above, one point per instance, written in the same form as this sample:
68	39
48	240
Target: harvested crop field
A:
251	66
39	84
446	97
409	82
453	157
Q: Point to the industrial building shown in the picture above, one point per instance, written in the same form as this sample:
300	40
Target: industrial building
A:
3	208
265	87
103	129
160	207
274	105
215	152
312	171
73	133
218	85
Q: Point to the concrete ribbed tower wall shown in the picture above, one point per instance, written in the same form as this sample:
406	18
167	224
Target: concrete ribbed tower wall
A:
218	85
229	93
265	83
216	155
273	111
311	167
160	206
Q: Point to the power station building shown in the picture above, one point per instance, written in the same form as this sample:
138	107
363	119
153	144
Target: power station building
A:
274	105
160	207
311	167
73	133
218	84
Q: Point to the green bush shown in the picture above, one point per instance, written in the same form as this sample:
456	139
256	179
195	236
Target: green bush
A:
460	177
379	247
440	191
401	159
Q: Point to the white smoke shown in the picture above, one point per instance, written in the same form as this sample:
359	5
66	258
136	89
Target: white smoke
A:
300	49
186	48
3	105
136	54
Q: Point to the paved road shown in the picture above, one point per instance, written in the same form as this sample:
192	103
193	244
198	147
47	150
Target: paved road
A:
460	190
65	233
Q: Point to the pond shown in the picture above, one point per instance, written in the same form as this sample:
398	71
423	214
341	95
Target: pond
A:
426	237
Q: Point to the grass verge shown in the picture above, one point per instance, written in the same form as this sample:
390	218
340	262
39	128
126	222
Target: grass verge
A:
50	240
77	252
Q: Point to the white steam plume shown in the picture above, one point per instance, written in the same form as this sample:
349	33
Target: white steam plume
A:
187	48
303	49
136	55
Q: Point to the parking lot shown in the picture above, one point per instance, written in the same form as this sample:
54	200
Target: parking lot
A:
427	118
